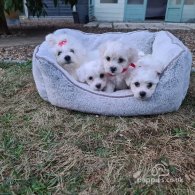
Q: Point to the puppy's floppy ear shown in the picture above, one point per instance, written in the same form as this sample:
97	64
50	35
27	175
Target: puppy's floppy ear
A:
51	39
102	48
81	74
133	55
141	54
159	70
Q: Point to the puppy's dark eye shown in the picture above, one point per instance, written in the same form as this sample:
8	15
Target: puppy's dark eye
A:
108	58
72	50
149	85
137	84
59	52
121	60
101	75
90	78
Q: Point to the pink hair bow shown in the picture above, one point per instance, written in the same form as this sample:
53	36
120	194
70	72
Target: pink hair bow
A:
61	43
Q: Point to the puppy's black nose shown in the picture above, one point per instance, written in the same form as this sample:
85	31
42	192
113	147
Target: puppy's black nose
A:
98	86
67	58
142	94
113	69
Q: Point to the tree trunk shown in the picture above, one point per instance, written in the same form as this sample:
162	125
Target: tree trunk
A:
3	24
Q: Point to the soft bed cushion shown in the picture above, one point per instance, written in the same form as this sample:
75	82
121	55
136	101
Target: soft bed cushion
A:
59	88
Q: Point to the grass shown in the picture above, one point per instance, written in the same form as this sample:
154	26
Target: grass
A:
48	150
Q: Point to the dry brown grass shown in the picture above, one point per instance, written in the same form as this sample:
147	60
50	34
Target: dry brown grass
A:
48	150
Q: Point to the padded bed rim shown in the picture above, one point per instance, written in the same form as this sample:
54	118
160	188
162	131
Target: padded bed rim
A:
74	82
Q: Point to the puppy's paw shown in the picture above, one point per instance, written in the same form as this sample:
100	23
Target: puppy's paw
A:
80	72
110	87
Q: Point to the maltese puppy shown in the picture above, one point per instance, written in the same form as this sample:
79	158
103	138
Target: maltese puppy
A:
68	51
94	75
117	59
144	78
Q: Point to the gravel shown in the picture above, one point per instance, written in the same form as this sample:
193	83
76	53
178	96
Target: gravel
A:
17	54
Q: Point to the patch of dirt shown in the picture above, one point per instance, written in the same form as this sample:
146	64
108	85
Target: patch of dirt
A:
192	85
17	53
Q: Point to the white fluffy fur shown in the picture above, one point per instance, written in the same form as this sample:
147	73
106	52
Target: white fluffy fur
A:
94	75
145	77
70	55
115	58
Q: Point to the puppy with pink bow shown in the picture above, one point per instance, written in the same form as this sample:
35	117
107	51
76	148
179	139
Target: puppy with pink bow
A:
68	51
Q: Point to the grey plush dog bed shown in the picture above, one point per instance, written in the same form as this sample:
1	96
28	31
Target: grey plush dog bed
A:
56	86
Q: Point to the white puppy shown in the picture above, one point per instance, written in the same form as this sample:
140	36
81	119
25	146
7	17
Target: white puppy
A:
144	78
117	58
94	75
68	51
